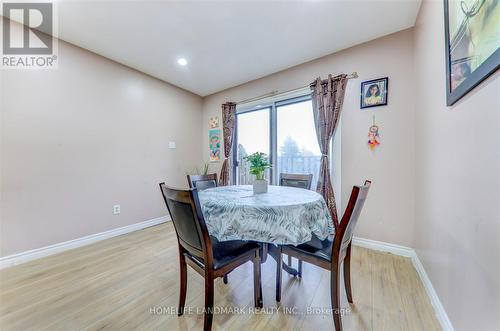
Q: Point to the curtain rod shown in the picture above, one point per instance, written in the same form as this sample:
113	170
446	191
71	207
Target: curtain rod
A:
354	75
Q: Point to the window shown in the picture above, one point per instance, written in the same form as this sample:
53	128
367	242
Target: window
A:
282	129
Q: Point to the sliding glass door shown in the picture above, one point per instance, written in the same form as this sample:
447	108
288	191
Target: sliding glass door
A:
285	131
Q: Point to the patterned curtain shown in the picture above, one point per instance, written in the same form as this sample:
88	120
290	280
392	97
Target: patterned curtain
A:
327	99
228	121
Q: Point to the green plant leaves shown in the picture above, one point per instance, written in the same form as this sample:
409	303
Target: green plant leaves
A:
258	164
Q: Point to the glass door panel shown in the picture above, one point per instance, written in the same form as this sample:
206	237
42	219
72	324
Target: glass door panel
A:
297	145
252	135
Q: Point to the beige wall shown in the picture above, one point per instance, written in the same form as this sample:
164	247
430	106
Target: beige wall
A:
82	138
457	184
389	212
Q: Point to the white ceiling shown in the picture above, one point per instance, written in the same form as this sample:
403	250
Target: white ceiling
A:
226	43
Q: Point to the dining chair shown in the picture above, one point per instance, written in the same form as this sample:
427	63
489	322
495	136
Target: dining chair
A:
202	182
296	180
332	253
300	181
197	249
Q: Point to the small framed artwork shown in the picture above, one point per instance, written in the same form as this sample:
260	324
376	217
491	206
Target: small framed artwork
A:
214	144
214	122
472	44
374	93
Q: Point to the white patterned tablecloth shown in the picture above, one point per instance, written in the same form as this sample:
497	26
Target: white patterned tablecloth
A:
283	215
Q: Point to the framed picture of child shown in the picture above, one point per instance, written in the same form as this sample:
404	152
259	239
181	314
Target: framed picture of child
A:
374	92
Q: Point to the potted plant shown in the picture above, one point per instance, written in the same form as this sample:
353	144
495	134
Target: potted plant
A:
197	171
258	164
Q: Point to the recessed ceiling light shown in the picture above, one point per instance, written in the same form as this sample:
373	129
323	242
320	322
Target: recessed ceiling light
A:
182	61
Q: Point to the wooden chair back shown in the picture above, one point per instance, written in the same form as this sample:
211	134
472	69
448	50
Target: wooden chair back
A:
296	180
185	211
202	182
344	232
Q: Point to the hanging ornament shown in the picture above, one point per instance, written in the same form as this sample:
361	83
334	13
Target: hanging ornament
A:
373	136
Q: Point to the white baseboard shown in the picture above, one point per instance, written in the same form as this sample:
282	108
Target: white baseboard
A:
15	259
441	315
431	292
383	247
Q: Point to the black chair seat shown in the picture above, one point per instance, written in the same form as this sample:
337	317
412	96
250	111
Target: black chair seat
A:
225	252
316	247
229	251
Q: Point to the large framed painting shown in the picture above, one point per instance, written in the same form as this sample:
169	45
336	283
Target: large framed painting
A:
472	36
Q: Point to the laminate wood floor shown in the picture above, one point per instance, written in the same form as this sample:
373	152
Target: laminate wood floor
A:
131	282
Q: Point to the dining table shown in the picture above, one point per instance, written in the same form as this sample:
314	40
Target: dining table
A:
281	216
